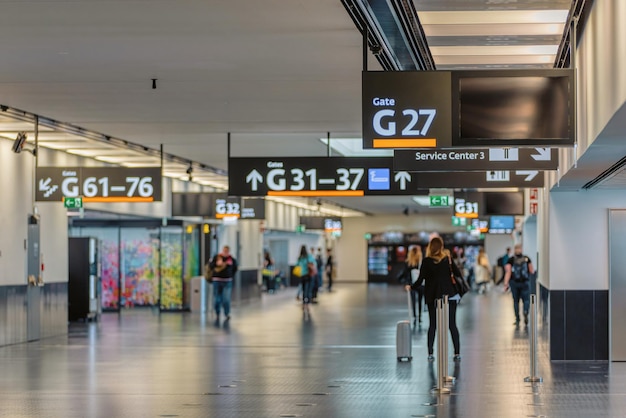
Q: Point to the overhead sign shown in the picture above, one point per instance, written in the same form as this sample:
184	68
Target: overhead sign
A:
73	202
216	205
476	159
466	207
316	176
341	176
480	179
252	208
444	109
227	207
459	221
406	109
438	201
98	184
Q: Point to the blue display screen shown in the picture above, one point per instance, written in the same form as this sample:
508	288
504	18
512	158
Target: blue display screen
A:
501	224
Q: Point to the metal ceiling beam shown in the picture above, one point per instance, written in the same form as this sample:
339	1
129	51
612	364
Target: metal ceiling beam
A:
102	138
395	34
579	13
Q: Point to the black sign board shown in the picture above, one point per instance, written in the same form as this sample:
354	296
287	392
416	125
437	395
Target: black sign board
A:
99	184
513	108
475	204
406	109
328	223
340	176
479	179
253	208
193	204
444	109
216	205
315	176
475	159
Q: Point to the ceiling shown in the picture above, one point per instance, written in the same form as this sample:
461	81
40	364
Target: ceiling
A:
278	75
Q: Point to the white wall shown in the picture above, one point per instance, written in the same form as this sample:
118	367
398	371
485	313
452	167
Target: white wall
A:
351	248
600	63
296	240
579	239
16	189
496	244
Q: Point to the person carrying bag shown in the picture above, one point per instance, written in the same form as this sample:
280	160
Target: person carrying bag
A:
435	274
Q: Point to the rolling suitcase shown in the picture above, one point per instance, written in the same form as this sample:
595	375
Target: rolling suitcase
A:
403	341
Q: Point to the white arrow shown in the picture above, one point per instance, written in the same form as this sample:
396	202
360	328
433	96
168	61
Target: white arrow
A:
402	177
255	178
44	184
545	154
530	174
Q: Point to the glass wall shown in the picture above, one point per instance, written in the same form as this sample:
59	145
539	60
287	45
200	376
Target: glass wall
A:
139	266
171	268
191	259
144	266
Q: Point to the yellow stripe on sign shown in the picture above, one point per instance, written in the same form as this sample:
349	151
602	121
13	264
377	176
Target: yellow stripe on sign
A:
316	193
405	143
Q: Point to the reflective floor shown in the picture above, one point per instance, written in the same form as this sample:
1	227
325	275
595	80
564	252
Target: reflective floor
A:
271	362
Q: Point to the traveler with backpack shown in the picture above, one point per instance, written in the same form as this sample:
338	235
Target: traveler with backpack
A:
501	262
517	274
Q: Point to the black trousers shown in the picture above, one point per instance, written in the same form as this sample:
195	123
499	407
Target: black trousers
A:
432	328
417	296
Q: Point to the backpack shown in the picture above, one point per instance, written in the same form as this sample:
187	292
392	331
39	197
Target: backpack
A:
519	269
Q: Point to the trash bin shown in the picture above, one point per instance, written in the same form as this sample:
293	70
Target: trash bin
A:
197	294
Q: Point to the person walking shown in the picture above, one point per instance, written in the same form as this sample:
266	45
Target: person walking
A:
307	265
482	271
223	268
409	275
501	262
269	275
435	272
329	268
517	274
318	276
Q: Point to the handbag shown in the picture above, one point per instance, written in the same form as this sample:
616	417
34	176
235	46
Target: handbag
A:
460	284
297	271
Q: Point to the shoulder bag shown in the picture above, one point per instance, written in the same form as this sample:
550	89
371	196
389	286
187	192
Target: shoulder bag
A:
459	283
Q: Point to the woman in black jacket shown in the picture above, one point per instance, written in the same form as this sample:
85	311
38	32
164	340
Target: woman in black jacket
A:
435	272
409	275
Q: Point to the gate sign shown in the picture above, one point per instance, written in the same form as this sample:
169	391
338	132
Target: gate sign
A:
476	159
99	184
407	109
341	176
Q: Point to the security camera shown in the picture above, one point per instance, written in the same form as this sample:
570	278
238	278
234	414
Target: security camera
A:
19	143
376	49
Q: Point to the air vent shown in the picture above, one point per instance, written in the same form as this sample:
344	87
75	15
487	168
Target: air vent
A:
612	172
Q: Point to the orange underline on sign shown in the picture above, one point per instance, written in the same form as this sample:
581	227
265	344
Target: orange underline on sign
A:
314	193
405	143
223	215
117	199
466	215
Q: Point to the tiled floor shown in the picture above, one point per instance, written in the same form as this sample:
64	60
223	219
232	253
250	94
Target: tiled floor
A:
270	362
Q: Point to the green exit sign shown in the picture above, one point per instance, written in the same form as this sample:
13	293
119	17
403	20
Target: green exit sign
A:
300	228
457	221
73	202
440	201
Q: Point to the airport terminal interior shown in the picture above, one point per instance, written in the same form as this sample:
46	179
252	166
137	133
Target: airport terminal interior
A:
214	208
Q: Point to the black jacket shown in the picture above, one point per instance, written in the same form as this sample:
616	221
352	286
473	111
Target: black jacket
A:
405	274
229	271
436	275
